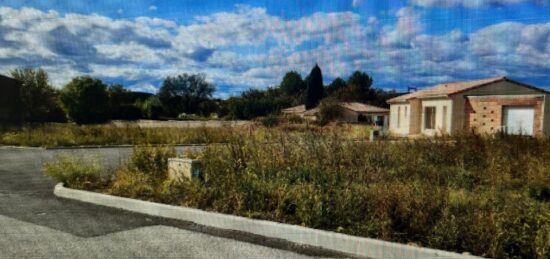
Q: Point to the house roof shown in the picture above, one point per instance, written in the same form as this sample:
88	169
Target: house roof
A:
447	89
361	107
353	106
295	109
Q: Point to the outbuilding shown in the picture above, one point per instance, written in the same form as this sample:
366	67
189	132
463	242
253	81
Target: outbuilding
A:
487	106
352	112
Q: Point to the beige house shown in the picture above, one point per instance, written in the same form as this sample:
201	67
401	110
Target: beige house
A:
487	105
352	112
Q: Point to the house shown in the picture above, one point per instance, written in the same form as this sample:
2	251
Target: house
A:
11	110
352	112
487	106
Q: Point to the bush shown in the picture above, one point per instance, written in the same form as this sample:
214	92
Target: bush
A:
75	172
329	111
295	119
144	173
86	100
269	121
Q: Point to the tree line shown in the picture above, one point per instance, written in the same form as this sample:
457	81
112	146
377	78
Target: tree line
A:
87	100
310	91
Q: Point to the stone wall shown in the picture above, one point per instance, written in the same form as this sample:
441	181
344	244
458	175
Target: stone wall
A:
484	113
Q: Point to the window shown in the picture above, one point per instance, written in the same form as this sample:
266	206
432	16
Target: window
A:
399	116
406	112
429	117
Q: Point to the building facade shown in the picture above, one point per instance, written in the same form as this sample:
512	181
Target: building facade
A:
486	106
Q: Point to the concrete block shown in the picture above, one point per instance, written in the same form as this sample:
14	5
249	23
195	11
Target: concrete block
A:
181	168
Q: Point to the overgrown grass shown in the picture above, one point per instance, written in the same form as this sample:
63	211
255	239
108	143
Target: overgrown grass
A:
480	194
76	172
59	135
55	135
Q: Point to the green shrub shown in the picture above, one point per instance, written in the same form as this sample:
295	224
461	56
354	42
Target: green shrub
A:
295	119
269	121
75	172
144	173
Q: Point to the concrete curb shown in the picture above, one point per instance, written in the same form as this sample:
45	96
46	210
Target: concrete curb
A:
358	246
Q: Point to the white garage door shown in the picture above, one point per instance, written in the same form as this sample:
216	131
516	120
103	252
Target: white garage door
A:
519	120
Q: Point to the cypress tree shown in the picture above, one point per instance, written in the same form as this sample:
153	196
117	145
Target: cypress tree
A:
315	88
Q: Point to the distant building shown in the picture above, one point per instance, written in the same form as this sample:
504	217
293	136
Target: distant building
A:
488	106
11	110
352	112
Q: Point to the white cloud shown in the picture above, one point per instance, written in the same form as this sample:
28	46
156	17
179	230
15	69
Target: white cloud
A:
472	3
153	8
251	48
356	3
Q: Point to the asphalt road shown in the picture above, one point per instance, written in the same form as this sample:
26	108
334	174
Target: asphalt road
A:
36	224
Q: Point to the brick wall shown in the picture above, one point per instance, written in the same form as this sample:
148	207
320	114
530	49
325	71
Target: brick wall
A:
485	113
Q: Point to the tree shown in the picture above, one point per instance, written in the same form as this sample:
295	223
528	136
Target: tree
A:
150	108
255	103
292	84
86	100
184	93
336	85
361	80
315	88
39	99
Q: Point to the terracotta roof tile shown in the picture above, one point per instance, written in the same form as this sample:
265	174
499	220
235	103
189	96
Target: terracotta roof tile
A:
445	89
361	107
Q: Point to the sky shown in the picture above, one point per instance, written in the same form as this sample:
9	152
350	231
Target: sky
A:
247	44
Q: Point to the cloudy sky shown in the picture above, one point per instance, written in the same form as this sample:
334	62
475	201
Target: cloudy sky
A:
252	43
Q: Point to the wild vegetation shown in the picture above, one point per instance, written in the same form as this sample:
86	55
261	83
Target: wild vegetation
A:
489	196
59	135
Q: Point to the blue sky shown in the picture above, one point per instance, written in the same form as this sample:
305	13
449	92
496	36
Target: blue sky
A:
251	44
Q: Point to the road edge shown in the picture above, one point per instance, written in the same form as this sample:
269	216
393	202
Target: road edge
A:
358	246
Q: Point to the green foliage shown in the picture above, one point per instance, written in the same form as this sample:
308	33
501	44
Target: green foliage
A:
269	121
256	103
185	93
86	100
151	108
329	110
361	80
40	101
336	85
75	172
292	84
295	119
315	88
122	104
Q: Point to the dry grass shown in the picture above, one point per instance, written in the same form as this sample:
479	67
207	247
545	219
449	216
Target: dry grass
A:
489	196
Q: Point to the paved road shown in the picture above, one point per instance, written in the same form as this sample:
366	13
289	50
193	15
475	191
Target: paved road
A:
35	223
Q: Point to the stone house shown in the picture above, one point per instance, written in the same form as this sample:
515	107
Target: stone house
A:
11	110
352	112
487	106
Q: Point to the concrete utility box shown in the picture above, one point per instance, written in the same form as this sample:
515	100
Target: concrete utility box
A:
181	168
